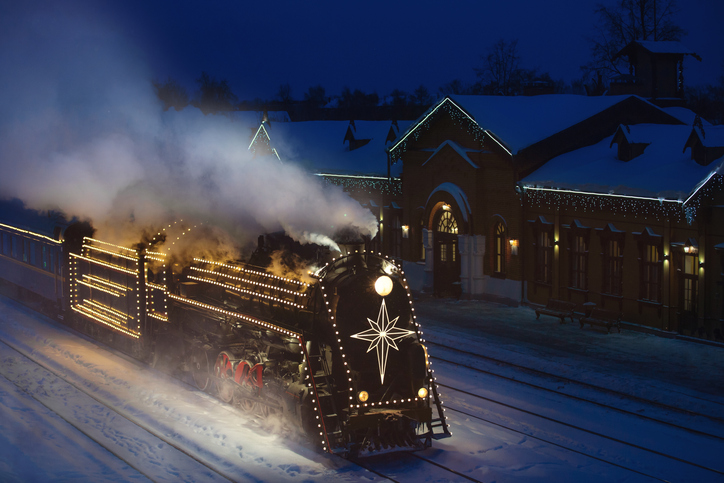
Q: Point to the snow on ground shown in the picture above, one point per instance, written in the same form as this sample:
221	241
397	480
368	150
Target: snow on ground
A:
38	444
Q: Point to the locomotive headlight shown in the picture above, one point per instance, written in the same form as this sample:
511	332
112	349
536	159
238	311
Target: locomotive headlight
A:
363	396
422	393
383	285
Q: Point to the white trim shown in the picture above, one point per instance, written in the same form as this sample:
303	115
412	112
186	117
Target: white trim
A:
458	194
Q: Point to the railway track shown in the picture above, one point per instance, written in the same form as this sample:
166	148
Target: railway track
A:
462	397
703	420
393	468
47	381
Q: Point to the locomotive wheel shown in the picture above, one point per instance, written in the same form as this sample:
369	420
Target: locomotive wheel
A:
200	368
266	411
246	404
224	373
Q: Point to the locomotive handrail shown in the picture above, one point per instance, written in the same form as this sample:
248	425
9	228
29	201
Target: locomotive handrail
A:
238	315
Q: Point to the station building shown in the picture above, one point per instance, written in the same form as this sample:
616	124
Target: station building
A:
607	200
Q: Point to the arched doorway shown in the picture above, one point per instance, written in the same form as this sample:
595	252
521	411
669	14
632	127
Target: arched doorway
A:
446	278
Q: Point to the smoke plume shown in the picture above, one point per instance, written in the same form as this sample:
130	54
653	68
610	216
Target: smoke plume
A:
81	131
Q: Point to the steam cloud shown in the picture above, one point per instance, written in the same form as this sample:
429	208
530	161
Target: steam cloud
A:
81	131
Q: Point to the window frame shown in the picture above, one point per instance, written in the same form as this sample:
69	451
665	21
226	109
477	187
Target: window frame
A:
543	253
579	236
651	266
611	284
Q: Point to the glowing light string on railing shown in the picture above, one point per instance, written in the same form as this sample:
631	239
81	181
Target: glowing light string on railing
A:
250	292
254	272
237	315
253	282
105	264
108	283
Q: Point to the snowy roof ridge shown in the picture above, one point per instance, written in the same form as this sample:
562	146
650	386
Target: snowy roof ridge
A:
319	146
662	171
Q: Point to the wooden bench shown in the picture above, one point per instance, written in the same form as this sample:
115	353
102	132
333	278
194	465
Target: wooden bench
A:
557	308
604	318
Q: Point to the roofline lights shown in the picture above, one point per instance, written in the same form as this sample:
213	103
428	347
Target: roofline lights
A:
491	136
414	126
611	195
703	183
353	176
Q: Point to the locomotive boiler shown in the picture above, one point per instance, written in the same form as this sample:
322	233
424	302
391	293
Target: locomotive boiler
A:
340	354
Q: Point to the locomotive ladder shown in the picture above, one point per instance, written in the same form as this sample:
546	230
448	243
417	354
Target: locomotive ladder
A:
440	421
319	368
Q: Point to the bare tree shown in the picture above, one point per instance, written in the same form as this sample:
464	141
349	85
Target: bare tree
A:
284	94
623	21
171	94
501	71
421	96
315	96
214	96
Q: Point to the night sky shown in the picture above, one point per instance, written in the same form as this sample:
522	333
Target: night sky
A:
372	45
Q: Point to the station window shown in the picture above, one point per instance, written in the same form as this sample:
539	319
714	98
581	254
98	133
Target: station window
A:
651	273
543	250
651	264
690	276
26	250
612	245
44	257
579	262
613	267
33	257
14	247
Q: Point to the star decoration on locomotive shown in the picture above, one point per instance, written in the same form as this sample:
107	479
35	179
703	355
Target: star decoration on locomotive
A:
381	336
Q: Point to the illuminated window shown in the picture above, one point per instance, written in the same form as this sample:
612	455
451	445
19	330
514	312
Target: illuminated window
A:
447	223
443	252
689	279
499	249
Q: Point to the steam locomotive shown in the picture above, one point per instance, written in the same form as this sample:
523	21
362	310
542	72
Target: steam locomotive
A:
339	355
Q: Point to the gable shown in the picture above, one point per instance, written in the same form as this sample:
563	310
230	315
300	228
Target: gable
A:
449	152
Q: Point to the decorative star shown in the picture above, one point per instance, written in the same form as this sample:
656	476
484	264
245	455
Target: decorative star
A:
382	336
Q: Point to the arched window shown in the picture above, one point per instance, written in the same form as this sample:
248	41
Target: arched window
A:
499	249
447	223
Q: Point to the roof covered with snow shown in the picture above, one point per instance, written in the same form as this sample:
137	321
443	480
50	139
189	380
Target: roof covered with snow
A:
710	136
662	171
320	146
522	121
664	47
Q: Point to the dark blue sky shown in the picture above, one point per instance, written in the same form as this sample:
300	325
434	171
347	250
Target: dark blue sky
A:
372	45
